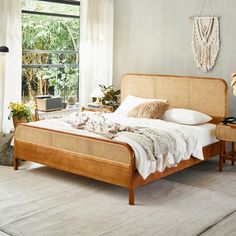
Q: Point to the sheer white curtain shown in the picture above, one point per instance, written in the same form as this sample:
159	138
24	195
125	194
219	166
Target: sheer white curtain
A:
96	45
10	68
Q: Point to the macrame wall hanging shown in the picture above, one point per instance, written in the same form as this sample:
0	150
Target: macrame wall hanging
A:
205	39
233	83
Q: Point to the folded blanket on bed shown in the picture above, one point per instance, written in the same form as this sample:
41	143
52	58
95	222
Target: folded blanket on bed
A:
161	146
157	142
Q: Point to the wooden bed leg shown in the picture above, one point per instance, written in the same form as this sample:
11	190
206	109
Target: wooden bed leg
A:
221	164
131	185
222	152
16	162
233	154
131	196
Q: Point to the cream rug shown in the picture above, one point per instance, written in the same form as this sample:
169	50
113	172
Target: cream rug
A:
43	201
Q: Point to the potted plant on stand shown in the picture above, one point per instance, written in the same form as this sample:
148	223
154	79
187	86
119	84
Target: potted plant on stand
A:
20	113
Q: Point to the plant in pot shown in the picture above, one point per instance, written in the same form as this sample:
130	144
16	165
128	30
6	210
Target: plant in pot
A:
72	85
111	96
60	87
21	113
65	84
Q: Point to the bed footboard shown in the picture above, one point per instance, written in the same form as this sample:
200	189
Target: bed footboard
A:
100	159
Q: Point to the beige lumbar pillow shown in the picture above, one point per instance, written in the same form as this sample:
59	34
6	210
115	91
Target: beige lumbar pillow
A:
149	110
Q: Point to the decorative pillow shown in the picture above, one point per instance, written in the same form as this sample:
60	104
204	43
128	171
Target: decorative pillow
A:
185	116
132	101
149	110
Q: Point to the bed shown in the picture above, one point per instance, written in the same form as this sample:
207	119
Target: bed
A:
114	161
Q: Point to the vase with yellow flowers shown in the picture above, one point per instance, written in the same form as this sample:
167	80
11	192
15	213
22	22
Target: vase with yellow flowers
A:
20	113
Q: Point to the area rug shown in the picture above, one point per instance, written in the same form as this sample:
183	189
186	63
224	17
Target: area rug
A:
43	201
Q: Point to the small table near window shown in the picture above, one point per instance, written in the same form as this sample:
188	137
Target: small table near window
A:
102	108
42	115
226	133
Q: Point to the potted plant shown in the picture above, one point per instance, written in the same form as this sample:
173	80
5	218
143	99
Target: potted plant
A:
64	83
21	113
111	96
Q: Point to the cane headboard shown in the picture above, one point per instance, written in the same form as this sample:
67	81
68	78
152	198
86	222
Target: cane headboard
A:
207	95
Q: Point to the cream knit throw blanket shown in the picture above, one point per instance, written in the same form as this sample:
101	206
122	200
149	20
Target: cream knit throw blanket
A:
205	42
158	143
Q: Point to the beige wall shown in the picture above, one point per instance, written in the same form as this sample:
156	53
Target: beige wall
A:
154	36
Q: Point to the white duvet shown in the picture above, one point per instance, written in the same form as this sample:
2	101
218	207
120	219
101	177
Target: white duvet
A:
196	136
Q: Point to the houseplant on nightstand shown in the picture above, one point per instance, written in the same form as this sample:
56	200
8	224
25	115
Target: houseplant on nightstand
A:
111	97
20	113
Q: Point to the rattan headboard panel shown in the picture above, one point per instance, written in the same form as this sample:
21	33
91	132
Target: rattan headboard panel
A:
208	95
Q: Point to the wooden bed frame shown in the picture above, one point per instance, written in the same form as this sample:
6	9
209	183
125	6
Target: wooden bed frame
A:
114	162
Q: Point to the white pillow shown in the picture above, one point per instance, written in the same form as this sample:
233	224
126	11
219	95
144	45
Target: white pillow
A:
185	116
131	101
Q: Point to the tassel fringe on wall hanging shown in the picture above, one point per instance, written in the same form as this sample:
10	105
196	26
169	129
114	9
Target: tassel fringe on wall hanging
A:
205	41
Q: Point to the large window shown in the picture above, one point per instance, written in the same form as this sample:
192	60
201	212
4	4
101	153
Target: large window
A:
50	62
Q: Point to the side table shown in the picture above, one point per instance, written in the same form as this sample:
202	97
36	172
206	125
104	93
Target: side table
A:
226	133
98	109
56	114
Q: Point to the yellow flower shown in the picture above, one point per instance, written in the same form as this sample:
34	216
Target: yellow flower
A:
20	110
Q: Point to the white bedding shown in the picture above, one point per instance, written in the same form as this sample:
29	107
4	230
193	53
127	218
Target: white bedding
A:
205	133
201	135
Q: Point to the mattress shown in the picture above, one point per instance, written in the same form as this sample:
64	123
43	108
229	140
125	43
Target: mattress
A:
203	134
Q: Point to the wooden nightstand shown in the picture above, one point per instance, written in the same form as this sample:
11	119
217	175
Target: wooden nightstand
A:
226	133
100	109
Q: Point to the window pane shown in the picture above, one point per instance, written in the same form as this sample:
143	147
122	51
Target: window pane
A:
35	5
50	53
49	33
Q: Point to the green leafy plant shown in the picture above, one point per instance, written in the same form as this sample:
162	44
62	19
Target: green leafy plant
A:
111	96
65	82
20	110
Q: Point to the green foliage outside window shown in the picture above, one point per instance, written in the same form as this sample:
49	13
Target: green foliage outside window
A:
49	33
